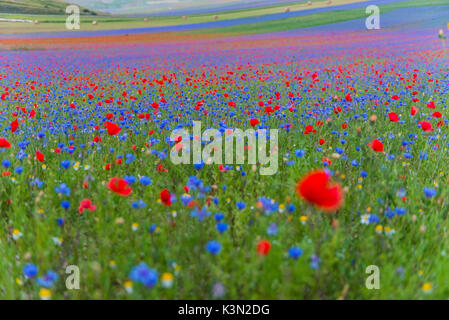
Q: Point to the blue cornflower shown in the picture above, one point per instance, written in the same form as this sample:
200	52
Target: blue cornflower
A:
6	163
65	204
200	214
213	247
30	270
268	205
429	192
145	181
219	216
241	205
143	274
63	189
138	204
373	218
222	227
272	229
300	153
294	252
153	228
65	164
48	280
315	262
129	179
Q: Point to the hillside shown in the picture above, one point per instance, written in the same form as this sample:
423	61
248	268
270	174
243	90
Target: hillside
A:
38	7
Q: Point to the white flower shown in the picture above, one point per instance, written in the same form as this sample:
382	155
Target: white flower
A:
365	219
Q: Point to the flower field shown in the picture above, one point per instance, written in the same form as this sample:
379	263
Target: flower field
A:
87	178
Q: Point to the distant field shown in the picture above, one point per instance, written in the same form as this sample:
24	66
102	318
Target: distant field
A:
37	7
55	23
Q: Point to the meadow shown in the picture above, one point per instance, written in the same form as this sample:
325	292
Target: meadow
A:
87	178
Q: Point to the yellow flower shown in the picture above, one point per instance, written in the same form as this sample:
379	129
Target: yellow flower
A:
135	226
112	264
45	294
16	234
128	286
426	287
379	228
167	279
303	219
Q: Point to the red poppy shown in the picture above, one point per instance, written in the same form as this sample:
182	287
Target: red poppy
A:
263	247
119	186
112	128
86	204
165	197
4	143
254	122
426	126
437	114
321	142
376	145
431	105
14	125
315	188
413	110
393	117
40	156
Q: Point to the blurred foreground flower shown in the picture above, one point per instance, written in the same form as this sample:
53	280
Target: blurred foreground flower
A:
316	188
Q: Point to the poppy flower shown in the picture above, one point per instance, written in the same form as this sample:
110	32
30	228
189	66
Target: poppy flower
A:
393	117
426	126
413	110
112	128
14	125
40	156
4	143
431	105
376	145
254	122
437	114
119	186
86	204
165	197
263	247
316	188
